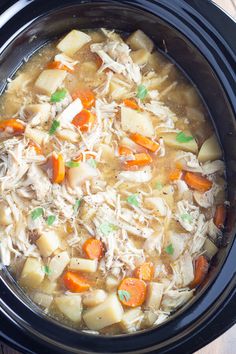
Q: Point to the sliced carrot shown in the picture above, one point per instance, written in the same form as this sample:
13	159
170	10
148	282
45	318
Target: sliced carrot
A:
12	126
93	248
141	159
175	174
145	142
86	96
201	269
198	182
179	165
59	66
220	215
131	104
124	151
132	292
58	168
84	120
87	156
98	61
75	283
36	147
145	271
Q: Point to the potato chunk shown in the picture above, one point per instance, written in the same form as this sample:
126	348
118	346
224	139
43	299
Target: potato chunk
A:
112	283
138	40
170	140
73	41
70	306
57	265
210	248
136	122
32	273
38	136
78	175
49	81
5	214
47	287
68	135
43	300
140	56
131	320
154	295
105	314
43	110
85	265
210	150
94	298
48	243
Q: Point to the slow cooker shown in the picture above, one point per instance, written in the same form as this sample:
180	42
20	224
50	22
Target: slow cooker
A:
200	39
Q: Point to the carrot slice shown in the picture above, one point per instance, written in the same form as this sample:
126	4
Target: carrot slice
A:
84	120
201	269
175	174
36	147
87	97
145	271
58	168
75	283
145	142
88	156
93	248
12	126
124	151
59	66
198	182
141	159
131	104
220	215
132	292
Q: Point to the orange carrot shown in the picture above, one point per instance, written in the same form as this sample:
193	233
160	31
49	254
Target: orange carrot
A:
75	283
179	165
175	174
145	142
86	96
145	271
59	66
132	292
93	248
201	269
220	215
131	104
124	151
141	159
198	182
58	168
87	156
12	126
98	61
84	120
36	147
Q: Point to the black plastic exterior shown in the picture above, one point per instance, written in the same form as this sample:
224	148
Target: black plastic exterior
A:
200	40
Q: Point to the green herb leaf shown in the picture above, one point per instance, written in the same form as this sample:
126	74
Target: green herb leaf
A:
47	270
36	213
54	126
182	138
77	205
159	186
142	92
186	217
106	228
124	295
169	249
58	95
92	163
51	219
133	200
72	164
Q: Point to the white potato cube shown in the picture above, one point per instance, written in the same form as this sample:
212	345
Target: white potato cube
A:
112	283
48	243
57	265
117	91
140	56
136	122
94	297
131	320
68	135
48	287
73	41
49	81
43	300
154	295
171	141
70	112
78	175
42	109
38	136
32	273
210	150
210	248
84	265
105	314
70	306
5	214
138	40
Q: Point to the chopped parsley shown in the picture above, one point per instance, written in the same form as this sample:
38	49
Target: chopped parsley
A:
47	270
51	219
141	92
77	205
106	228
182	138
92	163
124	295
169	249
159	186
36	213
58	95
72	164
186	217
133	200
54	126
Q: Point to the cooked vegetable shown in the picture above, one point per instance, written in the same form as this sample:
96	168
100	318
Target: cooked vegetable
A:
47	243
39	137
12	126
210	150
32	273
220	216
210	249
131	320
201	269
75	282
145	271
50	220
93	248
58	168
36	213
5	214
49	81
70	306
57	265
154	295
42	109
141	159
85	265
43	300
140	56
136	122
139	40
123	150
58	95
169	249
170	139
111	283
47	287
183	138
145	142
84	120
58	65
141	92
131	104
94	298
87	98
197	182
132	292
175	175
36	148
78	175
73	41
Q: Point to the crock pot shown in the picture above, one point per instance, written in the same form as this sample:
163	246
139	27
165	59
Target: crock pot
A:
200	39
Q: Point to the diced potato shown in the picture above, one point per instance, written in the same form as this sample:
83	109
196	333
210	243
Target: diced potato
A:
57	265
73	41
38	136
48	243
84	265
140	56
154	61
78	175
210	150
105	314
111	283
136	122
5	214
210	248
68	135
70	112
43	300
187	270
94	297
43	110
19	83
170	140
48	287
131	320
138	40
117	91
32	273
70	306
150	318
49	81
154	295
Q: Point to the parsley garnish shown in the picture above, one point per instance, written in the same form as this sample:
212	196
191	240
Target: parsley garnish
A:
133	200
51	219
77	205
186	217
182	138
36	213
47	270
58	95
106	228
54	126
159	186
92	163
72	164
124	295
141	92
169	249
